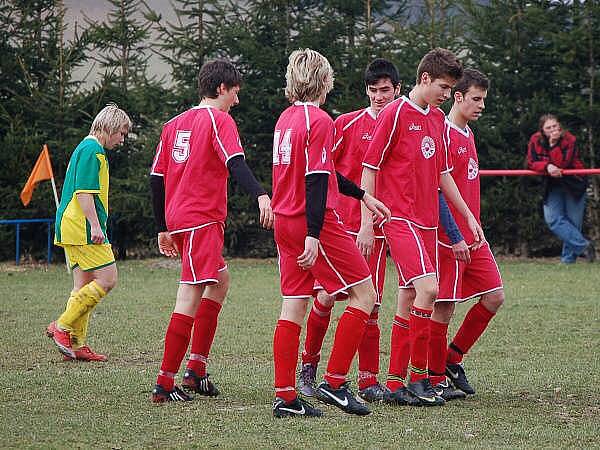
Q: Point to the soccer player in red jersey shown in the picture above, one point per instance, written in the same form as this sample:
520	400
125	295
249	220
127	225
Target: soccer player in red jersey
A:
465	272
311	240
353	133
406	164
197	151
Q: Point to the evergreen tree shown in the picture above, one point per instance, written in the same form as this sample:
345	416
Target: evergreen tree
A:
39	104
121	45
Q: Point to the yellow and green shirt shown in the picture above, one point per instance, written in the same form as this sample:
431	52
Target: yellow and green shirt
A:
87	173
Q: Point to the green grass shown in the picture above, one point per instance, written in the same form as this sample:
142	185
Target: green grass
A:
536	369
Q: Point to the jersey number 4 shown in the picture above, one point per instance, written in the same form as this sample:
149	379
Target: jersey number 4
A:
282	148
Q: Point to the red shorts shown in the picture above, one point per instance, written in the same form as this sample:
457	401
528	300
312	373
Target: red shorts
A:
338	267
376	263
413	249
201	251
460	281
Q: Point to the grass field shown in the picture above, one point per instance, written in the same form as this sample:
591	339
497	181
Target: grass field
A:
536	369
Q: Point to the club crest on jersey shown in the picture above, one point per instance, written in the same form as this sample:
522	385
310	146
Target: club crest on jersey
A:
472	169
181	146
428	147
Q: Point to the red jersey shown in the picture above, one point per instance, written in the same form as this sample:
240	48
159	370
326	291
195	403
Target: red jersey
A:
302	145
353	134
461	146
409	151
192	157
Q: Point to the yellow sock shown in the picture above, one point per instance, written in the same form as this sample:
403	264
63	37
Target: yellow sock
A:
80	304
80	326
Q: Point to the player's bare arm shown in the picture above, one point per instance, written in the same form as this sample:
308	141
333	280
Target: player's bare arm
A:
451	192
379	210
86	201
366	238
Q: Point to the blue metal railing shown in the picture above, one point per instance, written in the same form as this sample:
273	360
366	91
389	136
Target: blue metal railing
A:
17	223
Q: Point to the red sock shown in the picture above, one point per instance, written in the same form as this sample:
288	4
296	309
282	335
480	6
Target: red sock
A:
316	328
368	353
285	354
399	354
475	323
177	340
205	325
348	335
438	343
420	320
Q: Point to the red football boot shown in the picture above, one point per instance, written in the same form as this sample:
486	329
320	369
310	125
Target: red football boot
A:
86	354
61	338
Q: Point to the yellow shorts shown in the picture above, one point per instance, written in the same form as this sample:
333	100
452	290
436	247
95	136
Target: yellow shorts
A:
89	257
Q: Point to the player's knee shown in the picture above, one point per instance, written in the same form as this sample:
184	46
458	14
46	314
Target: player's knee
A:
108	278
493	301
443	312
430	291
325	299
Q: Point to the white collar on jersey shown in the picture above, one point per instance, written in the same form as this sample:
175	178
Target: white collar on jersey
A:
371	112
203	106
417	107
464	132
296	103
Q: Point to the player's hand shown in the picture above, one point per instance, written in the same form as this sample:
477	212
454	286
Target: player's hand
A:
378	209
461	251
554	171
266	212
478	237
365	241
166	245
96	234
311	250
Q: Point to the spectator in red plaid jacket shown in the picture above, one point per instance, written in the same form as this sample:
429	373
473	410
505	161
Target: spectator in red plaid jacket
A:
550	150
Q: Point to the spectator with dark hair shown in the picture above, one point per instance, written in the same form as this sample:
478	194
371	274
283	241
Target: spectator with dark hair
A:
552	149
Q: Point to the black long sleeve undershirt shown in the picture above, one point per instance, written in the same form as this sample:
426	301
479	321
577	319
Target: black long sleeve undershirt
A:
243	175
349	188
237	168
316	200
157	189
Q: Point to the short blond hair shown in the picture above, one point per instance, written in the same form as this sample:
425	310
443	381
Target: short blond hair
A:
109	121
309	75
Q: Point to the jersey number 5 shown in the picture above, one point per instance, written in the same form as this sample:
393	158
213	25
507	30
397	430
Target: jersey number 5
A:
282	148
181	146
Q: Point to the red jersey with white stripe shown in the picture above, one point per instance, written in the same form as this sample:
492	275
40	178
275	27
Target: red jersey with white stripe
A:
302	145
409	151
353	134
192	157
461	146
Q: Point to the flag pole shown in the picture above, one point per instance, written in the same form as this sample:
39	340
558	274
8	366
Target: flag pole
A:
57	204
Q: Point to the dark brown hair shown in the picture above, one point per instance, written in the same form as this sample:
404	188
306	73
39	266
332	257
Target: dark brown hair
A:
440	63
215	72
471	77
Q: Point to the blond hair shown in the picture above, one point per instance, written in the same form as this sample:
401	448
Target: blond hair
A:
309	75
110	121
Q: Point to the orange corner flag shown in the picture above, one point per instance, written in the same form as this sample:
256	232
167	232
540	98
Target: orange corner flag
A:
41	171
